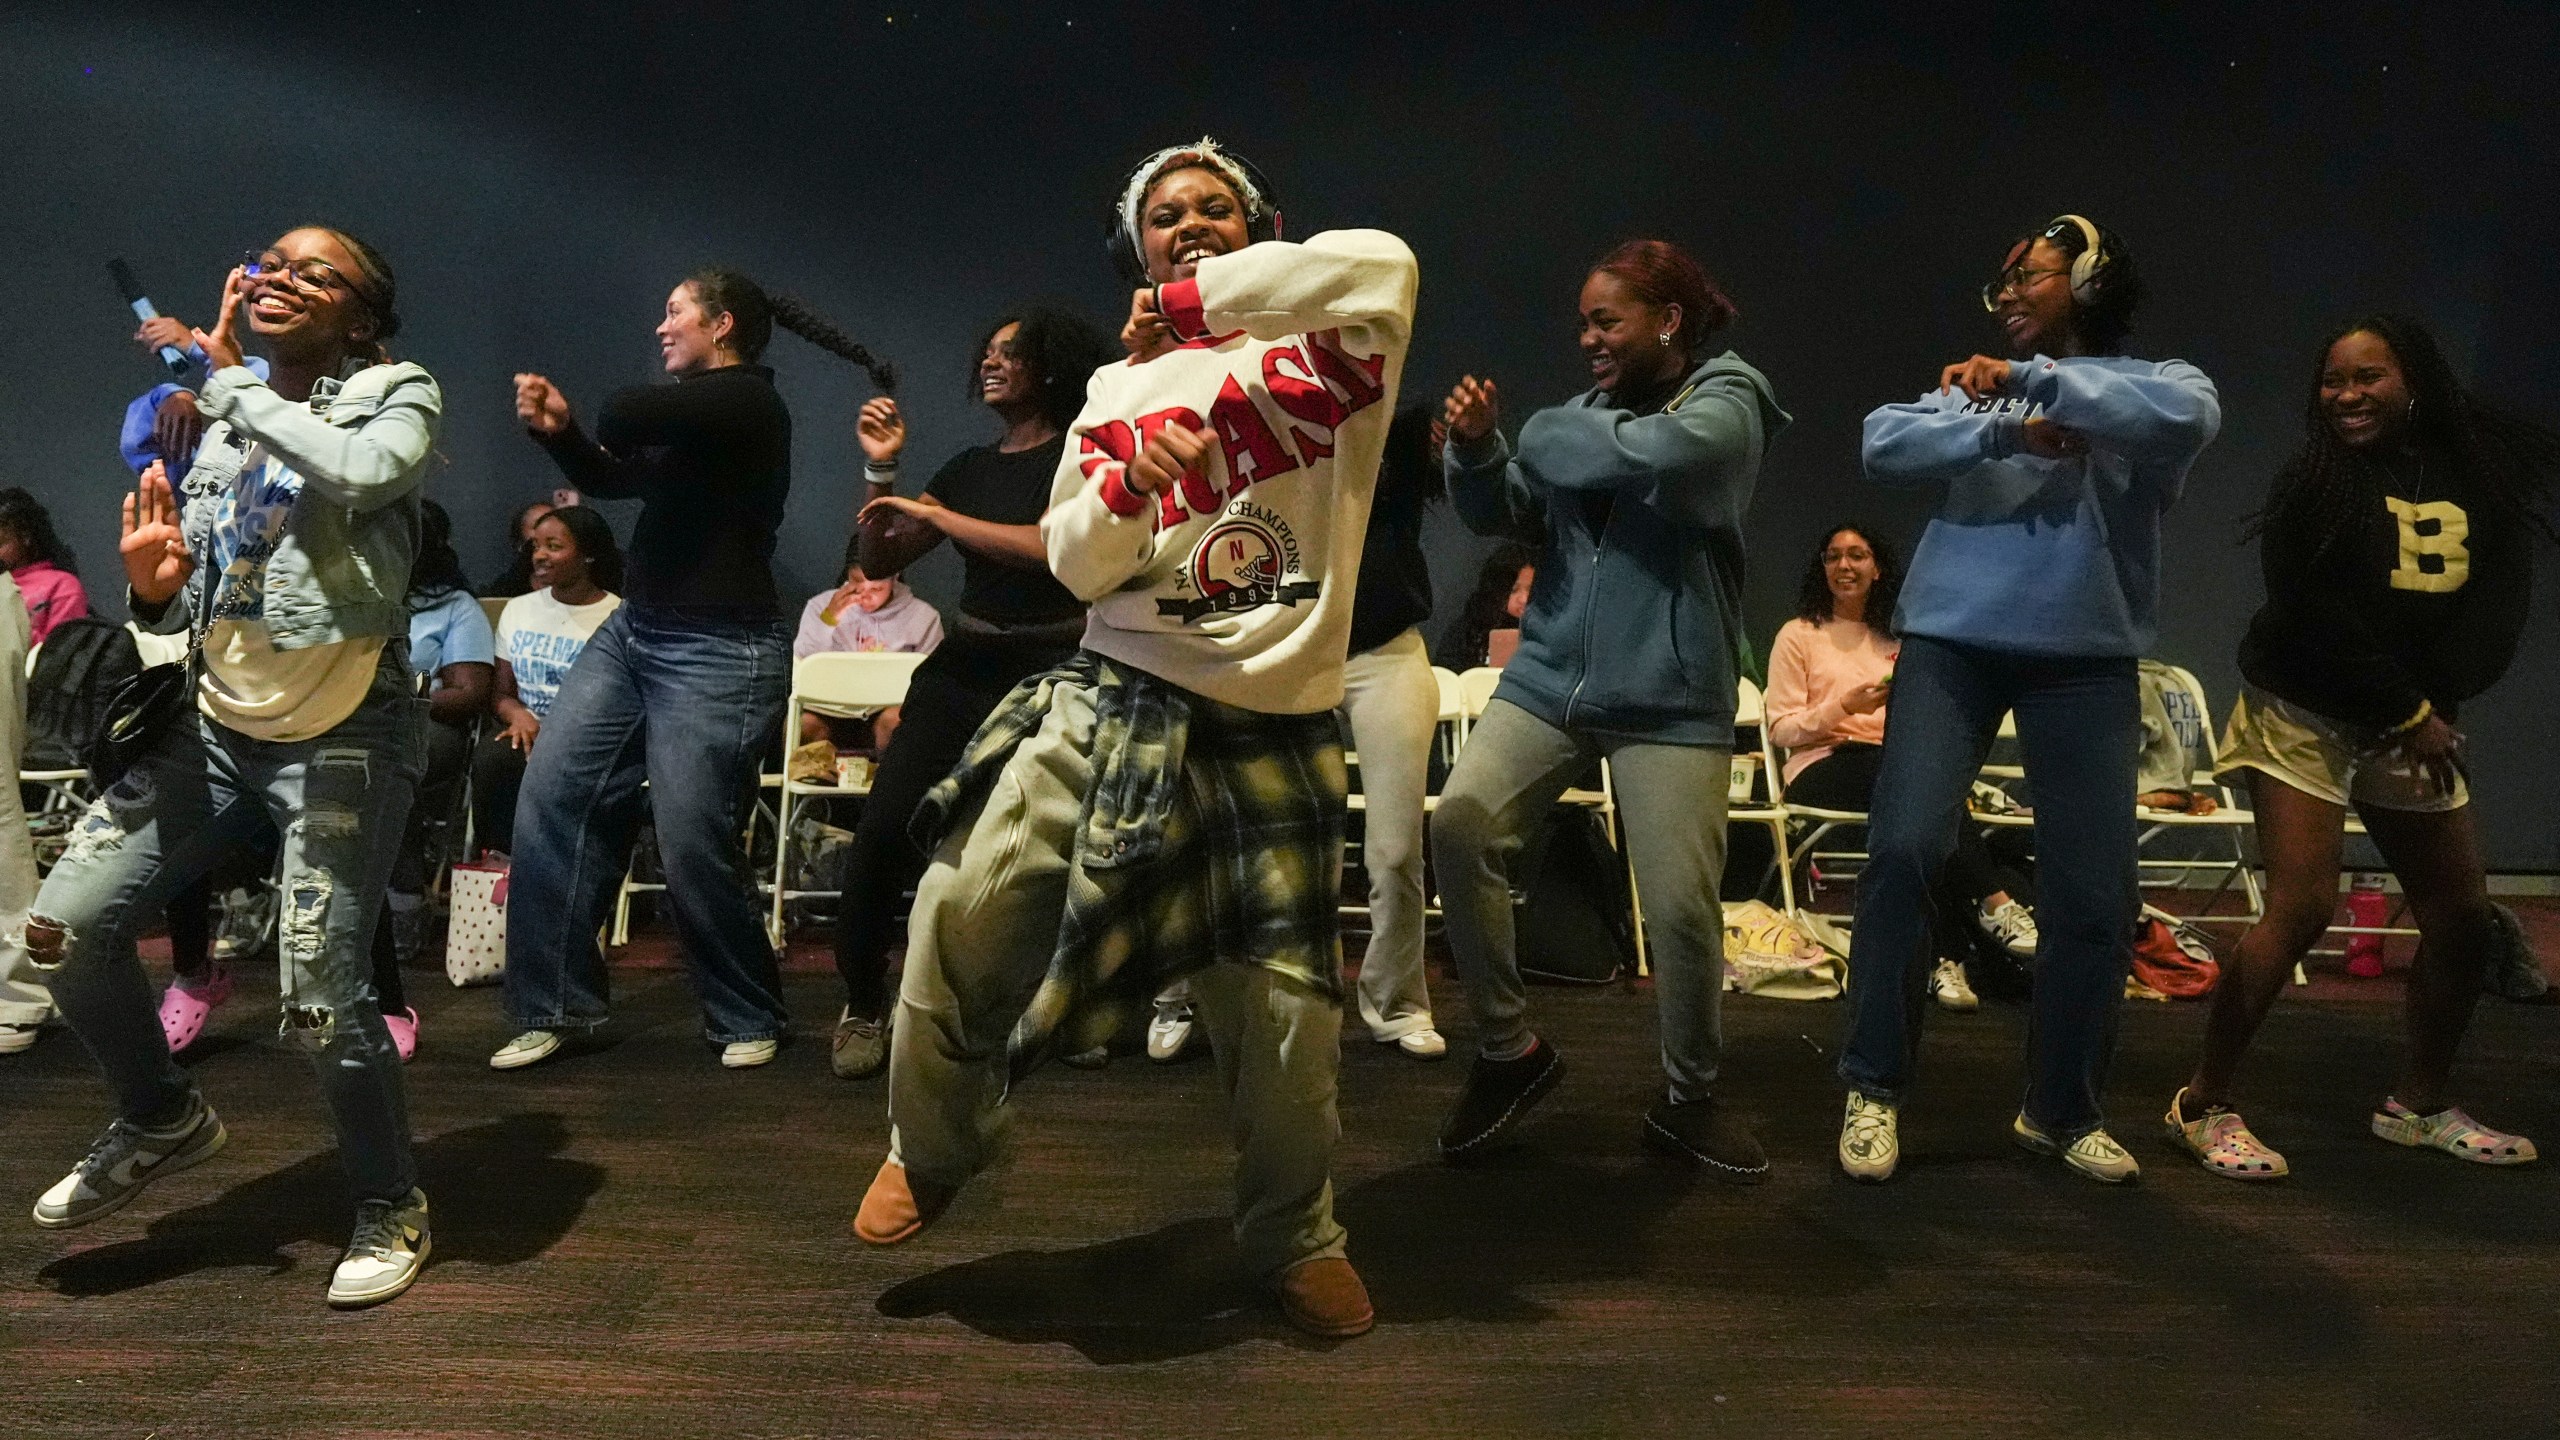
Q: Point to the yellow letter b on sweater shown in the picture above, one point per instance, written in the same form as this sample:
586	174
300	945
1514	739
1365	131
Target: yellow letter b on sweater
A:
2433	557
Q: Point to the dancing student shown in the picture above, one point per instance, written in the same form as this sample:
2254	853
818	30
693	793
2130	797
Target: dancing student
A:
1635	489
25	1000
1830	679
577	573
44	570
1015	620
452	654
290	562
2035	589
682	687
2397	551
1391	704
1171	801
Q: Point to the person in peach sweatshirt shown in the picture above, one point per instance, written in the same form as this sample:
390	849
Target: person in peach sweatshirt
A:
1830	678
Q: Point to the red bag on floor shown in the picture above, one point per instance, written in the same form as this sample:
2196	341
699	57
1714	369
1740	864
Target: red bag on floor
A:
2181	967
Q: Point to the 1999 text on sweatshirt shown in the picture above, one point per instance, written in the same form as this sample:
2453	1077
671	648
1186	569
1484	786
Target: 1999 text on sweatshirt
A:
1237	581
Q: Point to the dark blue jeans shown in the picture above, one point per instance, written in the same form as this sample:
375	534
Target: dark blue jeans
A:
690	707
2080	728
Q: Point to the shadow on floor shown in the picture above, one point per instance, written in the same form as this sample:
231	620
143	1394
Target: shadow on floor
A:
1433	1242
500	1192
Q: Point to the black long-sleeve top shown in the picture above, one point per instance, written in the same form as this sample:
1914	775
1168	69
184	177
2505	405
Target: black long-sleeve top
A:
710	458
2418	601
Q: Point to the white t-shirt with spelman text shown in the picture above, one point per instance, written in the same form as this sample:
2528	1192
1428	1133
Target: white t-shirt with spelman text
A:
540	638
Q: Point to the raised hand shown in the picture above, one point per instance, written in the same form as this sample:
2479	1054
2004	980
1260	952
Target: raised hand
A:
163	330
1148	334
1473	409
1979	378
540	405
222	343
882	429
154	545
177	426
881	509
1172	453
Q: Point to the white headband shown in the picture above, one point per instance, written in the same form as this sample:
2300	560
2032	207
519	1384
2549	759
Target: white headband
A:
1203	151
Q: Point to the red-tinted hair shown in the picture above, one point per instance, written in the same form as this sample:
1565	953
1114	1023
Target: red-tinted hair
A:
1662	273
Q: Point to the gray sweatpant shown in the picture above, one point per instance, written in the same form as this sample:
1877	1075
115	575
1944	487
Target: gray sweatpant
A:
1671	806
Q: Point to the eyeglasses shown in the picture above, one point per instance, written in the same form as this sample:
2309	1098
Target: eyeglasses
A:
309	273
2016	277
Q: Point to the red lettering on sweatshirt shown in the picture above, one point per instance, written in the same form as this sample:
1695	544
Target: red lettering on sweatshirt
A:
1360	382
1304	400
1254	454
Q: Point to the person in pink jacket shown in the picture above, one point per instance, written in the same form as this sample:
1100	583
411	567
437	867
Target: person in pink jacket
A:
36	558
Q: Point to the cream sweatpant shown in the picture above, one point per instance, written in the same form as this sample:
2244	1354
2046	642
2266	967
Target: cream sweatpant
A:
979	941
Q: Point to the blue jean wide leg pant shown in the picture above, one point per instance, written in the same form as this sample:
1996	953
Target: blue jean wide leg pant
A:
690	707
2079	725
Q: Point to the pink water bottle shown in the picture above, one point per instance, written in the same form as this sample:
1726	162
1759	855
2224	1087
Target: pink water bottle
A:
2368	907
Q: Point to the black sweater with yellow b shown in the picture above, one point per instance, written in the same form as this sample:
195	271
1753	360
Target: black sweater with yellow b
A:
2415	599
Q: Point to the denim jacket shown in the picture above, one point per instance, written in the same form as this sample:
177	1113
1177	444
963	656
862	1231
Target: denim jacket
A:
340	571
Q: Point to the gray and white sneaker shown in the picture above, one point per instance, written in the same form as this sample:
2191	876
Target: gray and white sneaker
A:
2013	925
126	1158
1169	1033
389	1249
1870	1138
526	1049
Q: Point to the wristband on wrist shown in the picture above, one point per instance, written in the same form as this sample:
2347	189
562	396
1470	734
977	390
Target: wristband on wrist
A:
880	474
2426	712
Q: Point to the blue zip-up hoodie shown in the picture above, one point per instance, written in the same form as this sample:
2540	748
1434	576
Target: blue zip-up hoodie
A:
2049	557
1632	622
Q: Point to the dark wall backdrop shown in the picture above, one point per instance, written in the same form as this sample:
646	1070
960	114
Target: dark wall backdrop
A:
540	174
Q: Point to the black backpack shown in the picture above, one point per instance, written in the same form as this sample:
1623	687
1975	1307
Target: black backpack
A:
1572	912
80	666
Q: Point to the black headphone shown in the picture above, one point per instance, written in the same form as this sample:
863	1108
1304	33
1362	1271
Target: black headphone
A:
1122	247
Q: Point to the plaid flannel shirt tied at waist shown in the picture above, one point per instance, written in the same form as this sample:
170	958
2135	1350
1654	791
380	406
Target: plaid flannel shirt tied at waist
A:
1209	834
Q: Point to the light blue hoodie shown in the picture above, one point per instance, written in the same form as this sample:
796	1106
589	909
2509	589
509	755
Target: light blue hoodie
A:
2048	557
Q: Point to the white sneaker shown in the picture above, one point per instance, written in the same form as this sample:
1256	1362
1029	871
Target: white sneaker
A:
1947	986
2013	925
2096	1154
748	1054
525	1049
1169	1034
389	1249
17	1035
1423	1044
1870	1138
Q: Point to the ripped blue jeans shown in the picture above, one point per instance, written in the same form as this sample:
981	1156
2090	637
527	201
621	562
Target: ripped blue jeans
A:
340	801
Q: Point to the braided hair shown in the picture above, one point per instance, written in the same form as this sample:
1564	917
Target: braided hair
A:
756	311
2330	487
437	571
377	289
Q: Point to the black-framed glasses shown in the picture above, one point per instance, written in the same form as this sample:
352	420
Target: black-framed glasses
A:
310	273
2016	277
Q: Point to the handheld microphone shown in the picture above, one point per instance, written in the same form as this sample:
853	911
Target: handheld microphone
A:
170	355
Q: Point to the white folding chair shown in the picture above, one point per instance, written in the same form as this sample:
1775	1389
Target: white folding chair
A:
833	683
1759	803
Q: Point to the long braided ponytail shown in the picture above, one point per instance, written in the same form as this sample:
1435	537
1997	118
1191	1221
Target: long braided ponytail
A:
755	313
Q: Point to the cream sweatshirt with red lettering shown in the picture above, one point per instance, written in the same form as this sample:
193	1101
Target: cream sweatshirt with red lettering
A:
1237	582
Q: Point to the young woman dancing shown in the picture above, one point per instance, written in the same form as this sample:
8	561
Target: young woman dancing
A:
2397	550
1637	488
2035	590
1830	679
682	687
1171	801
1015	620
290	563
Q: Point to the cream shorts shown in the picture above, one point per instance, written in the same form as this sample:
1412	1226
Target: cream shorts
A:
2320	757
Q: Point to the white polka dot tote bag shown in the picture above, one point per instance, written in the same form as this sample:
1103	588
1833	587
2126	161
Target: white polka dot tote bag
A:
475	942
